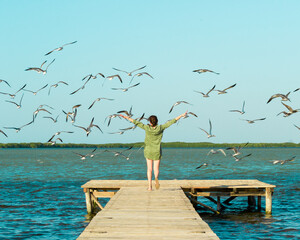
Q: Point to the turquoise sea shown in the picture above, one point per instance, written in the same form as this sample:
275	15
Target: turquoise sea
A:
41	195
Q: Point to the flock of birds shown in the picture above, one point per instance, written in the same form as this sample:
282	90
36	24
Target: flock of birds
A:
70	116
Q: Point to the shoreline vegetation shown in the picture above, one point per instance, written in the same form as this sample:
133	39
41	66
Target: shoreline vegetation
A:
140	144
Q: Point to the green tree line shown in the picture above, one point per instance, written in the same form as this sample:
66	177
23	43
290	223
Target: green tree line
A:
140	144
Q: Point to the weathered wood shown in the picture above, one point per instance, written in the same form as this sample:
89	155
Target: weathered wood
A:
259	202
268	200
251	201
228	200
88	200
205	206
216	202
103	194
135	213
95	200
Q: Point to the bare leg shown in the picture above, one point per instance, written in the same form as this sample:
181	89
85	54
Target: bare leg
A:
156	172
149	173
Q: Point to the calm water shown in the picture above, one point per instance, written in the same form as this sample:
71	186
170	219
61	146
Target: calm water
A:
41	196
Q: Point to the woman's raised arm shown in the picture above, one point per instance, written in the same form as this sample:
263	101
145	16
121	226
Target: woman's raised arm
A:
126	117
180	116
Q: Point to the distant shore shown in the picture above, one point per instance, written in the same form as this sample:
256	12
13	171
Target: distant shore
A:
140	144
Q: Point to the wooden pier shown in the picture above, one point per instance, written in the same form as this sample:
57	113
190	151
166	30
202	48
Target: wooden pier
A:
167	213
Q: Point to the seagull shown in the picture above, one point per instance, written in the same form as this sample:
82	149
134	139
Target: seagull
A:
129	128
129	114
3	133
202	165
82	87
35	113
55	85
282	96
224	91
212	151
206	95
54	141
58	133
240	158
177	103
110	117
204	70
190	113
17	104
41	106
60	48
129	73
54	120
13	94
18	129
113	76
283	161
116	154
1	80
92	154
126	89
236	150
99	99
88	129
72	115
209	135
121	132
91	76
252	121
291	110
35	93
242	111
40	70
82	157
140	74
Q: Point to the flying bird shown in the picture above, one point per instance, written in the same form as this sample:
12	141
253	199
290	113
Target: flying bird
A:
240	158
60	48
110	117
35	113
204	70
209	135
190	113
114	76
91	76
237	150
297	127
89	128
53	119
126	89
202	165
206	94
282	96
224	90
17	104
253	121
283	161
140	74
212	151
129	73
99	99
12	95
18	129
129	114
40	70
240	111
52	142
290	112
296	89
177	103
35	93
56	85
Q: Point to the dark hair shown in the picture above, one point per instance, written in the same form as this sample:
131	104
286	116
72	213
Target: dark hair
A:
153	120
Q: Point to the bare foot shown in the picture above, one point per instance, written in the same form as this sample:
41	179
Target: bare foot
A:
149	189
157	185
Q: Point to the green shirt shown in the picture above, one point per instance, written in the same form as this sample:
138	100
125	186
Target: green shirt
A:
153	138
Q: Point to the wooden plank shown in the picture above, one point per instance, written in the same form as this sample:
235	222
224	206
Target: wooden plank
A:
135	213
103	194
268	201
88	201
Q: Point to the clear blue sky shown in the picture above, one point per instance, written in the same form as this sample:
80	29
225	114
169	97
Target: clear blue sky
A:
254	44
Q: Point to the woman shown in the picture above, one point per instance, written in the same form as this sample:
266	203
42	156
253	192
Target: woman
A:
152	150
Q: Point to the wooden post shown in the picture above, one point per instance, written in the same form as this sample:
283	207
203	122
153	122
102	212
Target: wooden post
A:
88	200
259	202
218	203
268	201
251	201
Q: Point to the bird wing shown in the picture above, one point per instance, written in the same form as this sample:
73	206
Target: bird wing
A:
69	43
3	133
297	127
93	103
275	96
100	75
50	64
94	125
211	89
1	80
171	108
12	102
80	127
222	151
230	87
62	82
210	127
20	89
43	64
138	69
246	156
259	119
235	111
204	131
243	108
134	85
76	91
120	70
287	106
41	88
199	92
192	114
